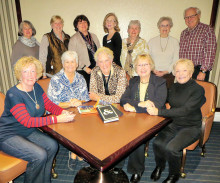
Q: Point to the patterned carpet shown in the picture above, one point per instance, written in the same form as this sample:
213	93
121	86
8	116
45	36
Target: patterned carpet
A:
198	169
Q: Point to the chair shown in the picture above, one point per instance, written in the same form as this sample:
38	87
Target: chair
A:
208	111
44	83
10	167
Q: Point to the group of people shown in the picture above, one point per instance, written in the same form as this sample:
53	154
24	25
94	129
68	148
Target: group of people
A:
81	70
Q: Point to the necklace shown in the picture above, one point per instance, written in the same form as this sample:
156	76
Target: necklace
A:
164	49
37	106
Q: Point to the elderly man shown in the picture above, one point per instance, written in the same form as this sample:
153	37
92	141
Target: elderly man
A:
198	43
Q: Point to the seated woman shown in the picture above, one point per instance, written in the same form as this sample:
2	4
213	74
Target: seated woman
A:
25	103
132	46
68	88
113	39
142	89
108	80
186	97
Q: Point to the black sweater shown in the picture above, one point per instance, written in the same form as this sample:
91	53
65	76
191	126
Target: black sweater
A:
185	101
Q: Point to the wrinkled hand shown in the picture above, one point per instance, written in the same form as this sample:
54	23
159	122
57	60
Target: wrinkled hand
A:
75	102
129	108
152	111
63	118
146	104
201	76
93	96
88	70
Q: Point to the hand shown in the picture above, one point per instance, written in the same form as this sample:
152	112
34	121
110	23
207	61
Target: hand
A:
75	102
160	73
66	112
129	108
152	111
87	70
63	118
93	96
201	76
44	77
146	104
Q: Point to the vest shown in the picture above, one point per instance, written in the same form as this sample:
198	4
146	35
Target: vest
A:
55	50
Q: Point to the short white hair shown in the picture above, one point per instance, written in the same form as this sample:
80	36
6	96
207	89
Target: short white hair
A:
69	55
198	11
134	22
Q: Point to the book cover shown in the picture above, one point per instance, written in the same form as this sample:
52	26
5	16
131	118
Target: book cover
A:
107	113
89	109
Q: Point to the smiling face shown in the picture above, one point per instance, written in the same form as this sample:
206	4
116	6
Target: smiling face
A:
191	18
110	23
133	31
70	66
57	26
83	27
27	31
164	28
143	68
104	62
182	73
28	76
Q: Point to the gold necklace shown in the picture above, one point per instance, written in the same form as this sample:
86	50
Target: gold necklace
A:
164	49
37	106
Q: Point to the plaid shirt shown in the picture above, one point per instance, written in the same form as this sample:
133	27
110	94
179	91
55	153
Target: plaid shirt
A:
199	45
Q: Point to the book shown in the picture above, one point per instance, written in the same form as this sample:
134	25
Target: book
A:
119	113
107	113
87	109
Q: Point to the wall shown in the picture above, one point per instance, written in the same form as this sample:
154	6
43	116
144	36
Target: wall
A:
147	11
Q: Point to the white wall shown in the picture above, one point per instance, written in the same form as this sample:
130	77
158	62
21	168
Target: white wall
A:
148	12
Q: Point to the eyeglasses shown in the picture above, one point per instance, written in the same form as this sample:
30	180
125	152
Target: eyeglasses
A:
165	25
143	65
189	17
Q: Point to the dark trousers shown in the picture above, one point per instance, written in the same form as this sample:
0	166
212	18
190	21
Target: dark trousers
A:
170	142
86	77
196	72
136	161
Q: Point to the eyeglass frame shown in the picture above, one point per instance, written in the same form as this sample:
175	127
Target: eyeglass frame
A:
192	16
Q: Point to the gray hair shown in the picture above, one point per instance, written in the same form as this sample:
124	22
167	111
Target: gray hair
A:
198	11
20	29
163	19
69	55
134	22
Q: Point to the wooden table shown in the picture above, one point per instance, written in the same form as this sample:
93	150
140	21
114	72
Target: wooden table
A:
103	145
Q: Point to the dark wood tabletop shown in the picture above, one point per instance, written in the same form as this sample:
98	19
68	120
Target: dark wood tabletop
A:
104	144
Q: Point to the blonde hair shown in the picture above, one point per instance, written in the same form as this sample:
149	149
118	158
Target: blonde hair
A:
144	56
105	50
117	29
25	62
187	62
54	18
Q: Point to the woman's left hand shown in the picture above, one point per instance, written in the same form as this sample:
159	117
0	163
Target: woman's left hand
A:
146	104
93	96
152	111
75	102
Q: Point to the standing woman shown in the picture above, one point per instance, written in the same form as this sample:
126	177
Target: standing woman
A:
26	45
25	104
113	39
164	50
85	45
132	46
186	98
52	46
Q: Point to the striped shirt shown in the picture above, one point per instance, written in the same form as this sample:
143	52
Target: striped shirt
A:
199	45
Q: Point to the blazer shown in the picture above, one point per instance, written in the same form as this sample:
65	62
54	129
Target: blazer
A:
78	45
157	92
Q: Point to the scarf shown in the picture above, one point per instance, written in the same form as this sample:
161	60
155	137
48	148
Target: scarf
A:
28	42
128	63
89	42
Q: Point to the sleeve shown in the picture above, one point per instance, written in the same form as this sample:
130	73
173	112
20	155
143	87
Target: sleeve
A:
117	42
52	91
175	55
209	50
146	47
104	41
44	52
84	90
123	53
196	100
72	44
16	54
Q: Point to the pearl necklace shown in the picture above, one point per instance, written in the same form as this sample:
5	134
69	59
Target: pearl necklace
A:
37	106
164	49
